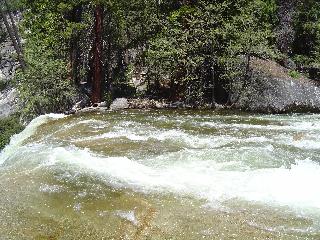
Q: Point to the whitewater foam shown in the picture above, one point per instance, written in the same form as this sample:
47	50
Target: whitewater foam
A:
294	187
18	139
216	168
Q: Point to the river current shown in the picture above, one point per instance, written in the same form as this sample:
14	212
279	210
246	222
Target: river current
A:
162	175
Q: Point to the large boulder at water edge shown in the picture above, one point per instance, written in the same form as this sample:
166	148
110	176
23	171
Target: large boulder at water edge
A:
271	89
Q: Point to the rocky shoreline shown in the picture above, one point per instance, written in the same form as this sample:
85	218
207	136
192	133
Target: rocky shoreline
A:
270	90
140	103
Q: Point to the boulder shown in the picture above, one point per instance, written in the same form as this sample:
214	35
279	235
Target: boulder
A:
2	76
271	89
8	64
8	102
145	103
119	103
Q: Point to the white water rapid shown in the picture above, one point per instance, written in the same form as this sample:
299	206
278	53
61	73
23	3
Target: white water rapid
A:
230	163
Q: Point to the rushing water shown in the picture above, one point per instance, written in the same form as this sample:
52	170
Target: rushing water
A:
162	175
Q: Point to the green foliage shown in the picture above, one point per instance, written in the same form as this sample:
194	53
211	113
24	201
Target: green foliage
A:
205	38
44	86
3	85
186	46
307	27
178	53
8	127
44	22
13	5
294	74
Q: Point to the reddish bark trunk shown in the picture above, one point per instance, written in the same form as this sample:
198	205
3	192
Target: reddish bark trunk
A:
97	78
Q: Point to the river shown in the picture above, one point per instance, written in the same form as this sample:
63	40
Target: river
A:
162	175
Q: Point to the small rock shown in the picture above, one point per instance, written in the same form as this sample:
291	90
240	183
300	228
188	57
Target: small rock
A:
159	105
70	112
219	106
177	105
77	106
103	104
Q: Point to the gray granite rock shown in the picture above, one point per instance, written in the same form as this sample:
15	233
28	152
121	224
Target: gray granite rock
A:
119	103
274	91
8	102
8	64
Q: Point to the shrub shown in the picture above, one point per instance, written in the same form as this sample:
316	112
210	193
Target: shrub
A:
294	74
44	86
8	127
3	85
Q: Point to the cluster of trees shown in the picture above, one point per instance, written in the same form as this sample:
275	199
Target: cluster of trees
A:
190	50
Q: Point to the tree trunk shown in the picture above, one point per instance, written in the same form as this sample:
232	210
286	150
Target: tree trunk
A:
213	98
16	32
97	56
14	28
13	39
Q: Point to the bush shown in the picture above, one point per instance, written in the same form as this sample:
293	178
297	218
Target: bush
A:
44	86
294	74
204	45
8	127
3	85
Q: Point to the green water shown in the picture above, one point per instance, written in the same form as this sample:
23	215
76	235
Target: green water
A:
162	175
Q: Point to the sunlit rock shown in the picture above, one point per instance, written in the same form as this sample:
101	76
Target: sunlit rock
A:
271	89
119	103
8	102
